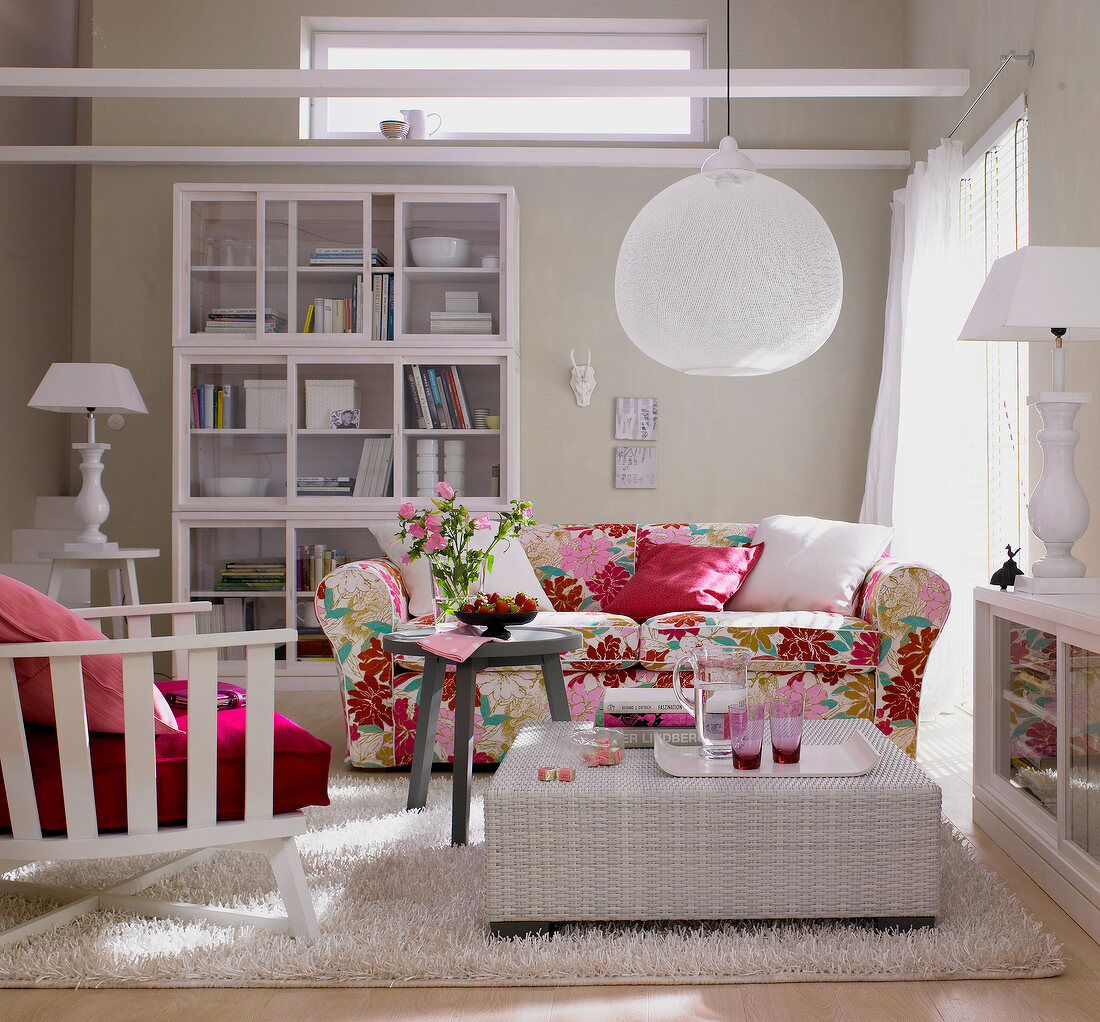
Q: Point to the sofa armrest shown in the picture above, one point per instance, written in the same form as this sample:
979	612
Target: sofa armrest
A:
908	604
356	605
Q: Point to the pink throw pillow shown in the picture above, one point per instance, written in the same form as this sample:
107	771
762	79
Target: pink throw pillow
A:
26	615
676	576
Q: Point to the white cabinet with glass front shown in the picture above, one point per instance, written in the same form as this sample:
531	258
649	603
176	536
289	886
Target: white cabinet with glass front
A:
386	352
1037	740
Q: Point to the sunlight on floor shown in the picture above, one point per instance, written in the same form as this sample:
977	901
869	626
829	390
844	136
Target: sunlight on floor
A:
945	746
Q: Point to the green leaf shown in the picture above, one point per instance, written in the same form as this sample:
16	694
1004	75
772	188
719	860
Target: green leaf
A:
343	651
550	571
916	622
379	626
337	612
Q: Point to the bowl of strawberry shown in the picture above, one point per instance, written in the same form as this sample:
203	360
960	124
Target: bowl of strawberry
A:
496	613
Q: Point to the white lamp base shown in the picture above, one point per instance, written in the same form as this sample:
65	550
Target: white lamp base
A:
92	507
1052	586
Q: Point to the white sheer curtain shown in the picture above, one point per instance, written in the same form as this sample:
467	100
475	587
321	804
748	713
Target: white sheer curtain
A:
915	464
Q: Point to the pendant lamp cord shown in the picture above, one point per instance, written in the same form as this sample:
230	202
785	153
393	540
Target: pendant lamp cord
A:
728	62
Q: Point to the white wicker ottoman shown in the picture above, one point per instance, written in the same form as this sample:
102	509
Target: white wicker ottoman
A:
629	842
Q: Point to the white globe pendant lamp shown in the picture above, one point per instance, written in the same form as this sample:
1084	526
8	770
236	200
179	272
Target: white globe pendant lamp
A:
728	272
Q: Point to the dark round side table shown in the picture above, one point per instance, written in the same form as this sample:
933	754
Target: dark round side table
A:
527	646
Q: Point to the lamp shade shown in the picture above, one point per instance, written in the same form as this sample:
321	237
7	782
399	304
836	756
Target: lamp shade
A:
78	386
728	273
1034	289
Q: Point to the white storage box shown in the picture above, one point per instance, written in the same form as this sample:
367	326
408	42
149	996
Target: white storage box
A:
325	396
265	404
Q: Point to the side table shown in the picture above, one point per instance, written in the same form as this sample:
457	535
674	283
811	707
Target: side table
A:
541	647
119	565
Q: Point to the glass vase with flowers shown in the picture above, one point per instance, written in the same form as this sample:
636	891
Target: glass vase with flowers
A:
445	534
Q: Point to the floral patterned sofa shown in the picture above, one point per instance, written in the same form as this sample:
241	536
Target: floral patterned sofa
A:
868	666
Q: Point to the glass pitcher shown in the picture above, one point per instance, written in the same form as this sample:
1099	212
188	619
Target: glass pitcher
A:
721	684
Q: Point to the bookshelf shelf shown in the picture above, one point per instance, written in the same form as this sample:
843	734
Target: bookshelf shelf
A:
266	453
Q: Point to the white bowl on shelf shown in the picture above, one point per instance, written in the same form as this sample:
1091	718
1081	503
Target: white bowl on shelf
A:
440	251
234	486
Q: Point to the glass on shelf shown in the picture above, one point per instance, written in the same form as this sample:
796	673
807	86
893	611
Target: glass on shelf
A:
1028	711
242	571
223	267
238	431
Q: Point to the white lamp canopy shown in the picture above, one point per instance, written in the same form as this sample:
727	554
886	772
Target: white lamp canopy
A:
87	386
728	272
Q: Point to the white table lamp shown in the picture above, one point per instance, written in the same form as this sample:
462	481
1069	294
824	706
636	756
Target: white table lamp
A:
1029	294
88	387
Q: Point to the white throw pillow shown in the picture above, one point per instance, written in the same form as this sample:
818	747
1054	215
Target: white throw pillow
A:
512	572
810	564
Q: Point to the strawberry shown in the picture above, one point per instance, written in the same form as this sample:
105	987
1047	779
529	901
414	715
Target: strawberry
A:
502	607
467	608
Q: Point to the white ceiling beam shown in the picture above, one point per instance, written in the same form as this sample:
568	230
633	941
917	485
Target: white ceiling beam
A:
294	83
438	154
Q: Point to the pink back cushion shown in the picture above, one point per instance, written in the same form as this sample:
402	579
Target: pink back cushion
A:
26	615
678	577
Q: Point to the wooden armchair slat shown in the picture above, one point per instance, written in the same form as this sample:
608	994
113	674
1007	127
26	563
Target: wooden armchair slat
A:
261	830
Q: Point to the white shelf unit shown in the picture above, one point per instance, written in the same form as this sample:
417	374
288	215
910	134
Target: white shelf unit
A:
236	493
1037	740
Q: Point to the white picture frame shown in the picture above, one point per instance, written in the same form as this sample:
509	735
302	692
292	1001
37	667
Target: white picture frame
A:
635	468
635	418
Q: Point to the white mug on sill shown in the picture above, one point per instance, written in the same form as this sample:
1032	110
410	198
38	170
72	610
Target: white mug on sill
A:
418	123
307	615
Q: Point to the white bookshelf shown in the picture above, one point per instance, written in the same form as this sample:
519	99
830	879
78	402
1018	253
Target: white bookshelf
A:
248	247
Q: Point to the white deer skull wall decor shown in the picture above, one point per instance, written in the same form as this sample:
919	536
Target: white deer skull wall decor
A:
582	379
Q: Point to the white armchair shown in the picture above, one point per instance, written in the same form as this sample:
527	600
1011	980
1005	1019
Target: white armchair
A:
261	829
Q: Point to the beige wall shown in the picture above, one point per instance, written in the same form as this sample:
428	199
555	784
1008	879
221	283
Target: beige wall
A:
36	251
728	449
1064	149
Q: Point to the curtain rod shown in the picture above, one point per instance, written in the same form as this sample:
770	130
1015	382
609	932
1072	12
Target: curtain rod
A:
1007	58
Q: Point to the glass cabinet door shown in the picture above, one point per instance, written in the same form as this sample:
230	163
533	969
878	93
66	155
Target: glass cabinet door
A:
1083	748
333	278
223	267
1026	679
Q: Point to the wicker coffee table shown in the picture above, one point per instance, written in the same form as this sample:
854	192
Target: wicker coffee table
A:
629	842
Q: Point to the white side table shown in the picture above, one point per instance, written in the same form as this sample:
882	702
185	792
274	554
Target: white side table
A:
119	565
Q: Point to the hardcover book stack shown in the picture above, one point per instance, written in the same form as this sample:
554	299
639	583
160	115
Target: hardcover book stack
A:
460	315
326	486
214	406
252	576
438	397
638	714
351	255
243	321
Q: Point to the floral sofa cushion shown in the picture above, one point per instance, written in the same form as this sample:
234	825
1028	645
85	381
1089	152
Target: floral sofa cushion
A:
803	637
582	567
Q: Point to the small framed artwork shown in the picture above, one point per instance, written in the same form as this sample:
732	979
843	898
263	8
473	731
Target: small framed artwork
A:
343	418
635	468
635	418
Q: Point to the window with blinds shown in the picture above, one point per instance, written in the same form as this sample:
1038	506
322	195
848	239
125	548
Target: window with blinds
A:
993	219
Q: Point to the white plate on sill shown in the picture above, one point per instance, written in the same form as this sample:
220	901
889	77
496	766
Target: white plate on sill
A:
849	758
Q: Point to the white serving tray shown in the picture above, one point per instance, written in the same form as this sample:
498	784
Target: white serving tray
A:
850	758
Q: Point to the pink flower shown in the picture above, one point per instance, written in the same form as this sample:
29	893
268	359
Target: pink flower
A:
527	511
444	490
417	531
434	523
406	511
406	559
585	555
483	522
435	542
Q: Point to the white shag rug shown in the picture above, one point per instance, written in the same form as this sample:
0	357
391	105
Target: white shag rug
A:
399	906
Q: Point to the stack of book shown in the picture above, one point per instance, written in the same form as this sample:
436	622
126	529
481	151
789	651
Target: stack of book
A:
462	323
314	561
438	397
348	256
325	486
638	714
214	406
252	575
243	321
375	467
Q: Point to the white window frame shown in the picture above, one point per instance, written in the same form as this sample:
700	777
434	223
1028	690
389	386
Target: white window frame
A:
319	34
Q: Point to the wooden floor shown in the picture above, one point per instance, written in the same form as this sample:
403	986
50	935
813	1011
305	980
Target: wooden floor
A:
945	753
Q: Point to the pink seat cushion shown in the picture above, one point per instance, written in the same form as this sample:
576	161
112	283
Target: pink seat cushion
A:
679	577
26	615
300	779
